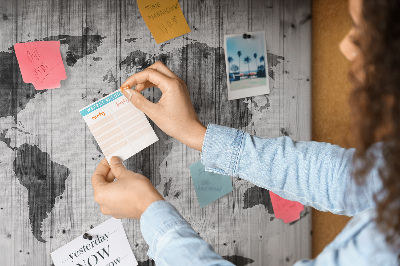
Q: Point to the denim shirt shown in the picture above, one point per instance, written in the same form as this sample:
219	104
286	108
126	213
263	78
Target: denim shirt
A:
312	173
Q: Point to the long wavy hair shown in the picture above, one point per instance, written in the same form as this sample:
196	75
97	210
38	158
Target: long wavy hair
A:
375	103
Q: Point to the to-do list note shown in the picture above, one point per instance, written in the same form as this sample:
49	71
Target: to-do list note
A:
118	126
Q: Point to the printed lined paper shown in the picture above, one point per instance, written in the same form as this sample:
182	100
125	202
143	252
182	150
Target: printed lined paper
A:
118	126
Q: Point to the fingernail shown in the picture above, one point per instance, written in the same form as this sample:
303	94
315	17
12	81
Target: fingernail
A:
126	87
115	160
127	93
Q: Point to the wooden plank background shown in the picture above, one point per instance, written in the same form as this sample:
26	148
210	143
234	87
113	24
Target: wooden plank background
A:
48	154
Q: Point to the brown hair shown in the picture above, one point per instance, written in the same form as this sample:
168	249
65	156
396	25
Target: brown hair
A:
375	103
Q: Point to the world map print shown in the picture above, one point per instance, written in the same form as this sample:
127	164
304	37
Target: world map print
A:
32	174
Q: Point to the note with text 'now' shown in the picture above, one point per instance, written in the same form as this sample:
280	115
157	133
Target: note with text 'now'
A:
107	245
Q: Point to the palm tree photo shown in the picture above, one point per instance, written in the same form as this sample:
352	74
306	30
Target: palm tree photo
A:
239	51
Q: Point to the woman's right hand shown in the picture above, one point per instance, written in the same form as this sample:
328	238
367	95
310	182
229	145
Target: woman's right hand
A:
173	113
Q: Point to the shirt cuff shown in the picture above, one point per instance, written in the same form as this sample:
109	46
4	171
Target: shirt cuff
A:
158	219
222	147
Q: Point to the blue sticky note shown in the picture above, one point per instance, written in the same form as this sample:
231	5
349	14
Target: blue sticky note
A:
209	186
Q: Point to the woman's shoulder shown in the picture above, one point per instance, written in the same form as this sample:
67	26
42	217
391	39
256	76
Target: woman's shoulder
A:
365	240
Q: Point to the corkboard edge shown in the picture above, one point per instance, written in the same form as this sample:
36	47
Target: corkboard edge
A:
330	94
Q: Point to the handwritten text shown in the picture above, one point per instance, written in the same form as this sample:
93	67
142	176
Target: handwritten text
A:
100	114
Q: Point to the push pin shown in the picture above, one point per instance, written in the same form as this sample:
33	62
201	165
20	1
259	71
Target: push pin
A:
246	36
87	236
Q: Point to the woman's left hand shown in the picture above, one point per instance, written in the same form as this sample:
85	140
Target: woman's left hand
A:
128	196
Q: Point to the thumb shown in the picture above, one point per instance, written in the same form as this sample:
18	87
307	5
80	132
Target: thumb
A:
99	176
138	100
117	167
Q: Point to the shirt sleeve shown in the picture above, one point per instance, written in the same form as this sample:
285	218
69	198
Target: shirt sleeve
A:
172	241
313	173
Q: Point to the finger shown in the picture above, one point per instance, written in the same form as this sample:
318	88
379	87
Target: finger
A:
143	86
160	67
100	174
140	102
110	177
117	167
104	210
159	80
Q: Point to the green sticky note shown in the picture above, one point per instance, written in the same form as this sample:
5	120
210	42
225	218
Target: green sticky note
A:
209	186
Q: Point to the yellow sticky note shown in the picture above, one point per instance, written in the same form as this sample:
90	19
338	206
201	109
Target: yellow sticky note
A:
164	18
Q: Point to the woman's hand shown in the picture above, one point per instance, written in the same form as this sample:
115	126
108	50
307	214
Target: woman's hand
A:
174	113
127	197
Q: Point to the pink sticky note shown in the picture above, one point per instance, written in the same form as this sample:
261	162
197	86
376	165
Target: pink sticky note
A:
41	63
288	211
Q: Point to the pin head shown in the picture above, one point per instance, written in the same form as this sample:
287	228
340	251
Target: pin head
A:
87	236
246	36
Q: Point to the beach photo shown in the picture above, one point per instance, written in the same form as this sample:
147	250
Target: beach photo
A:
246	64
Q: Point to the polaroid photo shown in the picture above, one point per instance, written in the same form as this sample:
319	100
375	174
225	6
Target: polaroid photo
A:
246	65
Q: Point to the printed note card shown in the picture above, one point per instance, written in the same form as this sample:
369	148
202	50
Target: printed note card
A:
118	126
164	18
209	186
108	246
41	63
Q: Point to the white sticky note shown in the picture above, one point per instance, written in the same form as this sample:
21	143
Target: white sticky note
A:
118	126
109	246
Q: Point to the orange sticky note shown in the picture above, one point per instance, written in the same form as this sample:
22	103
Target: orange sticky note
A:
288	211
164	18
41	63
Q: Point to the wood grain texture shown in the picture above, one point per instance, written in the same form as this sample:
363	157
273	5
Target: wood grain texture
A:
331	89
49	201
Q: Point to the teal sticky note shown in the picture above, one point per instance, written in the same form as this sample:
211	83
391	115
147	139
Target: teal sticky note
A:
209	186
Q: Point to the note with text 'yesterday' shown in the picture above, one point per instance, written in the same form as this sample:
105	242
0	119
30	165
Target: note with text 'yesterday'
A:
118	126
107	246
